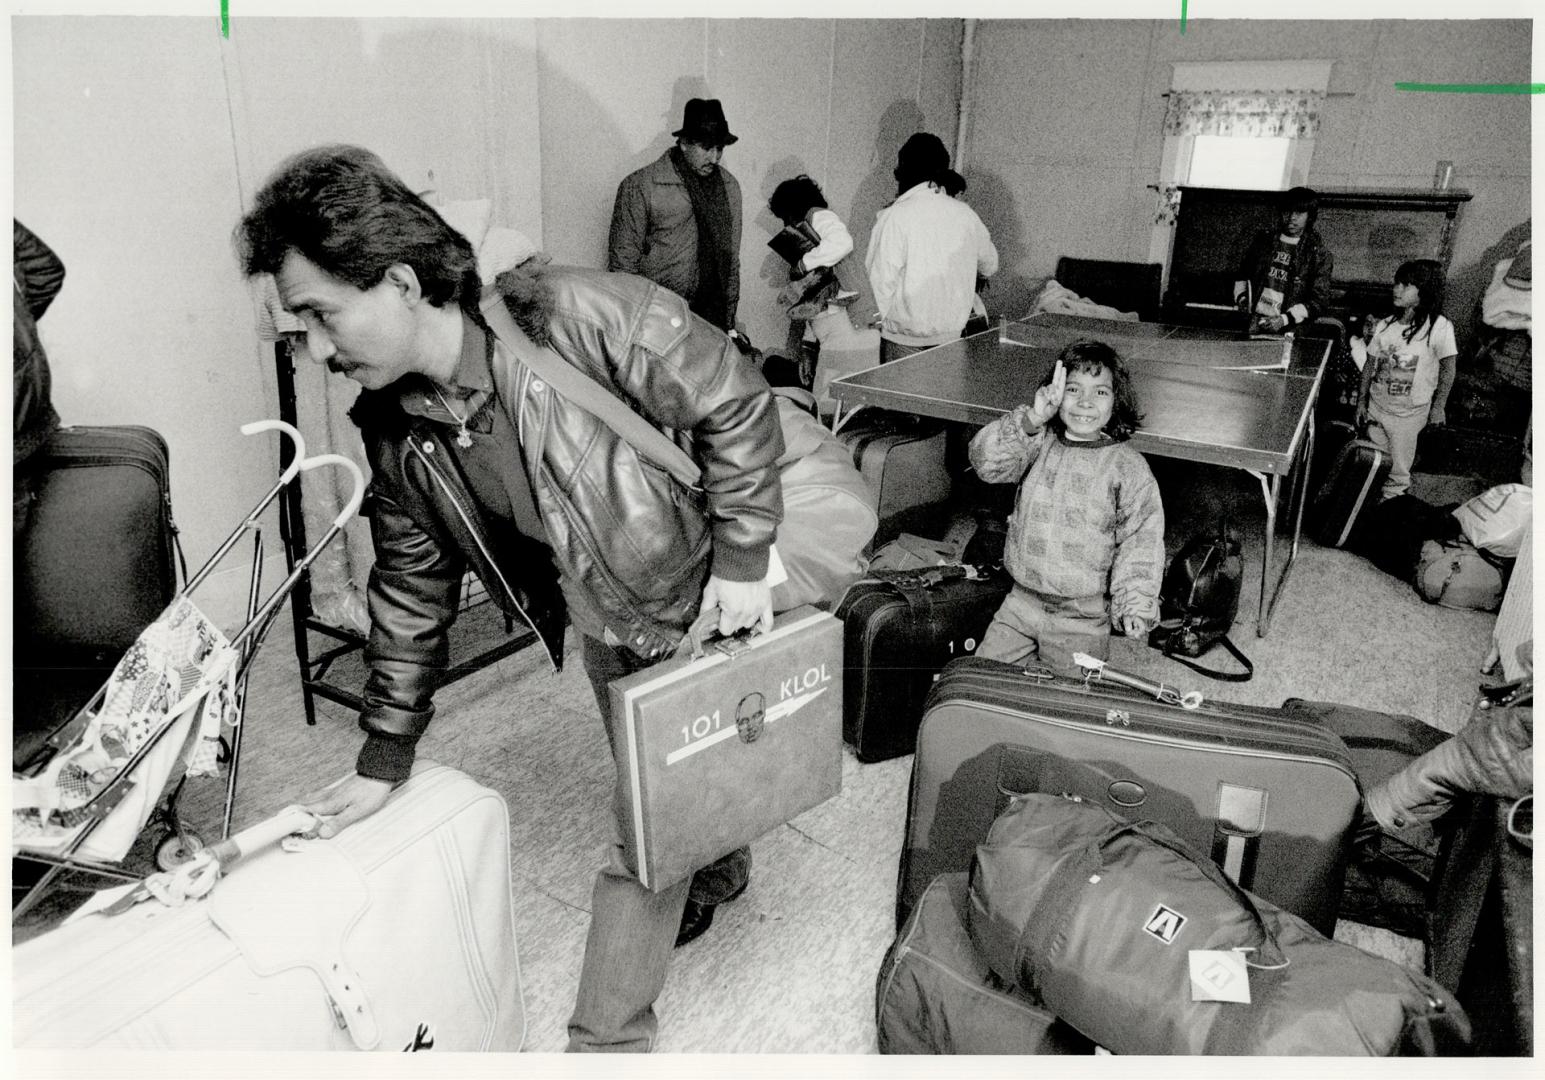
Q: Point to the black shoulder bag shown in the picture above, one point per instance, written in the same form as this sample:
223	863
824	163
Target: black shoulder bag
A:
1198	602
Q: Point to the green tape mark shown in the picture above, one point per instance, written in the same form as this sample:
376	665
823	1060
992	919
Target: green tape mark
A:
1182	16
225	18
1473	88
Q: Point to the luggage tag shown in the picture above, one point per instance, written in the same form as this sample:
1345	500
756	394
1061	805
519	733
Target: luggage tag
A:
1219	975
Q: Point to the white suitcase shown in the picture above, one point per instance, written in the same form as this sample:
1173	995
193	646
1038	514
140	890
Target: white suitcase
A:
397	934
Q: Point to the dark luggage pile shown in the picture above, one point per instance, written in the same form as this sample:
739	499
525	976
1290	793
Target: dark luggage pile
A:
1422	544
1088	865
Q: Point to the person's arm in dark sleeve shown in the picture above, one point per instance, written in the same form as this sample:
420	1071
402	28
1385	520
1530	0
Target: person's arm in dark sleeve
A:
1315	297
630	225
413	590
414	585
686	375
39	272
732	286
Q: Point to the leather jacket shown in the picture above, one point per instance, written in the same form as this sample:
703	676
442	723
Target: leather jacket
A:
619	528
1492	755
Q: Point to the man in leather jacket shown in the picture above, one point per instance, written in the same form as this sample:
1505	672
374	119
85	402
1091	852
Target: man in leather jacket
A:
478	463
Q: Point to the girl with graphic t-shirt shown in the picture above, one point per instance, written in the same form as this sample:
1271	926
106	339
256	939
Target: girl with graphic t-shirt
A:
1409	369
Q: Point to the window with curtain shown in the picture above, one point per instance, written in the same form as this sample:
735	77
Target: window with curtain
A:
1239	139
1236	124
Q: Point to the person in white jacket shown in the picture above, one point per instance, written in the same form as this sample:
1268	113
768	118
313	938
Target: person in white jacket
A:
925	254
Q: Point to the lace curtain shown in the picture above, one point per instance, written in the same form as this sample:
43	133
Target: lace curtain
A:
1293	114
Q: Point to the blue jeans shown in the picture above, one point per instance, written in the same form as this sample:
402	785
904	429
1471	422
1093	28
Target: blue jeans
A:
632	929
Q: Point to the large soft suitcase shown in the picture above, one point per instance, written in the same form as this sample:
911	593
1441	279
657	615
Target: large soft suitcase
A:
716	751
1353	482
903	459
899	629
93	567
397	934
936	995
1270	796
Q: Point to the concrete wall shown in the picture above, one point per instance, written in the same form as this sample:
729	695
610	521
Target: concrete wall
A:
139	142
834	98
1066	133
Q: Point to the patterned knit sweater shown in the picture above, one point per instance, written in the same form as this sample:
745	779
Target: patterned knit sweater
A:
1088	520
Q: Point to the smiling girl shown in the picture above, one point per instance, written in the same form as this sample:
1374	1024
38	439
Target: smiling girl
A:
1086	540
1409	370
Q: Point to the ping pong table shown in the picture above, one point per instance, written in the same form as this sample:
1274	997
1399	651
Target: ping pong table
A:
1206	395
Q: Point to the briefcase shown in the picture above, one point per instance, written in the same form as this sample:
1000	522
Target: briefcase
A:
397	934
715	752
1270	796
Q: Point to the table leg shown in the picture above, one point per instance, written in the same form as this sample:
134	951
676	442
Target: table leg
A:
1298	495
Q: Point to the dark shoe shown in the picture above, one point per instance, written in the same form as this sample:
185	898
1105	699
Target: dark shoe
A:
697	917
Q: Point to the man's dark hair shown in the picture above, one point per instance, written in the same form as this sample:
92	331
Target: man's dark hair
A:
1093	357
343	209
922	159
793	199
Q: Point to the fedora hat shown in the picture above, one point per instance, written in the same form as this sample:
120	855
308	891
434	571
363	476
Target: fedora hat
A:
702	122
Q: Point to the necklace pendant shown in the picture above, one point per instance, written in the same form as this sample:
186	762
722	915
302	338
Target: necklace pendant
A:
464	439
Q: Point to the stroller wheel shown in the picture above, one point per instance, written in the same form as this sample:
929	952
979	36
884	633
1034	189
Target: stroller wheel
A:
176	848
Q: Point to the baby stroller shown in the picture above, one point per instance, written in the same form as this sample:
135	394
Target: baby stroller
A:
80	802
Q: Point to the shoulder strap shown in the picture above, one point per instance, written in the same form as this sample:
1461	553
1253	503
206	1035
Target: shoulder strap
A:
1221	676
580	389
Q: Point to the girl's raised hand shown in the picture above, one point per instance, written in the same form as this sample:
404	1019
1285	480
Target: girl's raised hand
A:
1048	399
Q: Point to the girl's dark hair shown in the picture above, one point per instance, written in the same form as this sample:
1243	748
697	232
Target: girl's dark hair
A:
345	211
793	199
952	183
1427	276
1093	357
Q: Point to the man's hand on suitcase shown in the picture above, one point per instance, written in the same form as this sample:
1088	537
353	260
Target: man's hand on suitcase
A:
740	603
346	801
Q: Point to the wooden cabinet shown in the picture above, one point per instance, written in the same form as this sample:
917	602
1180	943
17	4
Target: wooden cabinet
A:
1370	231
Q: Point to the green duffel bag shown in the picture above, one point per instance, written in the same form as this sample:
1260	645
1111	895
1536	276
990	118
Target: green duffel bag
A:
936	995
1144	946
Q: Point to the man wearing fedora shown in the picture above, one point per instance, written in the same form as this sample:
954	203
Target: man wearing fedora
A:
676	221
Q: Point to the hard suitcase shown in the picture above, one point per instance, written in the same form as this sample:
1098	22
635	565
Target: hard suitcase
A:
899	629
1270	796
397	934
1354	481
904	462
714	752
93	567
936	995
